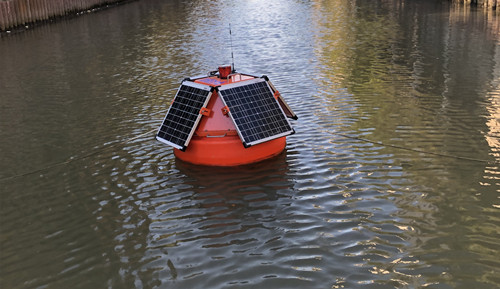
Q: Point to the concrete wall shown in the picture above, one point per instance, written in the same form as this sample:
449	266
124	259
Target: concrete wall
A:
15	13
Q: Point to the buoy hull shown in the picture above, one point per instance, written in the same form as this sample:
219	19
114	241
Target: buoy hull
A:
228	151
212	138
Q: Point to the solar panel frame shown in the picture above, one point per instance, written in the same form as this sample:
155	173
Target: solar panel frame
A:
255	111
284	105
183	115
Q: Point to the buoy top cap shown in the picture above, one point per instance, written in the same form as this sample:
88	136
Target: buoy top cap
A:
224	71
222	76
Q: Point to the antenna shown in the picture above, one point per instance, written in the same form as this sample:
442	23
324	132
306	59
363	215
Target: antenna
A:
232	56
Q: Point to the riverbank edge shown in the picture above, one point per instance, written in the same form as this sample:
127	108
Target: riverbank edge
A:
21	15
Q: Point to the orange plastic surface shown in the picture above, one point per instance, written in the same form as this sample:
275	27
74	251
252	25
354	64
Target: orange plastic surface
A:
216	81
228	151
216	121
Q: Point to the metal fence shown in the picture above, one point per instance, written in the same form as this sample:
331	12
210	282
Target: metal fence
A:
21	12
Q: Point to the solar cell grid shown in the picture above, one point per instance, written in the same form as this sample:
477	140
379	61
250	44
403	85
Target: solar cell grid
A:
184	114
255	112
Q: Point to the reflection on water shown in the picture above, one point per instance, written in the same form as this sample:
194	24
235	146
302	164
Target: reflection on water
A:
391	180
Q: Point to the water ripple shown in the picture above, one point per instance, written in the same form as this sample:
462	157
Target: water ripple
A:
362	197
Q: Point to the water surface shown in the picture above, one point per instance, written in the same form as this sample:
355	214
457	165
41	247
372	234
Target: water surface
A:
391	181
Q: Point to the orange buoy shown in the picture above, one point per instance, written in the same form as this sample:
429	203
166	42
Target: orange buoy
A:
227	119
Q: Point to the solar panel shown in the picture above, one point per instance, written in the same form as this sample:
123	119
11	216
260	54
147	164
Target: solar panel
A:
284	105
183	115
255	111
